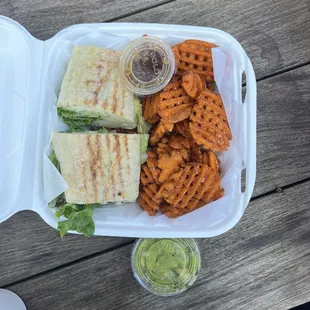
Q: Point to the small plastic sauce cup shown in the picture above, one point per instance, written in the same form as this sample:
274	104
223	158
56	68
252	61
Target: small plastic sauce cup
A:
165	267
147	65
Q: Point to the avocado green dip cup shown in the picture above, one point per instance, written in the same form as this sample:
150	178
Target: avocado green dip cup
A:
165	267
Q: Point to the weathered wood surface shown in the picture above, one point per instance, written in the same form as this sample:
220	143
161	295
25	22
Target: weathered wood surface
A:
263	263
283	130
283	157
275	34
28	246
44	18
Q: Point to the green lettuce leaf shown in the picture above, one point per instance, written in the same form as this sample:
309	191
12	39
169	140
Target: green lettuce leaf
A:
78	119
79	218
75	119
143	147
142	125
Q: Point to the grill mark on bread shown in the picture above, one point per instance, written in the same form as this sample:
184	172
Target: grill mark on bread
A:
104	104
99	158
101	83
93	166
83	169
110	178
117	168
115	90
94	99
128	162
121	112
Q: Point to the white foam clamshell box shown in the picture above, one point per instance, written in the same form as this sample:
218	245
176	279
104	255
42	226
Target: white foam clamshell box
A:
31	72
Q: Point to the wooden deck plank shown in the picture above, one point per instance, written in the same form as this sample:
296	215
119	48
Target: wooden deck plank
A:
263	263
283	130
275	34
43	19
29	246
276	37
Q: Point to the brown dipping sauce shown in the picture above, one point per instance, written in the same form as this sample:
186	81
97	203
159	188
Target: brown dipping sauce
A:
147	65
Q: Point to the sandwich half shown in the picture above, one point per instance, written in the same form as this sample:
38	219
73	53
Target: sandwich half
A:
92	92
99	168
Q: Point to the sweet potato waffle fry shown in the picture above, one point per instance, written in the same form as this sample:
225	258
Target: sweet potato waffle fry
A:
183	128
190	188
178	142
146	176
208	122
196	56
209	158
192	181
175	104
182	171
162	147
193	84
169	164
147	199
150	108
159	131
153	167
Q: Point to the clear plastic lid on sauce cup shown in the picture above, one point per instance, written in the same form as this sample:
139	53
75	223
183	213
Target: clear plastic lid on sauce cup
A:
165	267
147	65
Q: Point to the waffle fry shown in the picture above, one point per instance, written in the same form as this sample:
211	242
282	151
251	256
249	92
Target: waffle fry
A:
146	176
209	158
195	55
193	181
163	147
173	212
176	53
150	108
190	188
183	128
169	164
192	84
174	84
175	105
151	162
147	199
213	195
159	131
179	142
195	154
207	97
208	122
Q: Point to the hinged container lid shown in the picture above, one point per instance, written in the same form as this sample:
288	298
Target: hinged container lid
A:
20	66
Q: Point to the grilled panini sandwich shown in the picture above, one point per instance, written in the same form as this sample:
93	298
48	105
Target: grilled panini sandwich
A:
92	92
99	168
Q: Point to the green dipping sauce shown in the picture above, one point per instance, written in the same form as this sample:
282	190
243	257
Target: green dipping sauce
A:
166	266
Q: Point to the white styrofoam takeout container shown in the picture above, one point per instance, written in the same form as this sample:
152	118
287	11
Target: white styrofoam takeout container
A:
25	94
